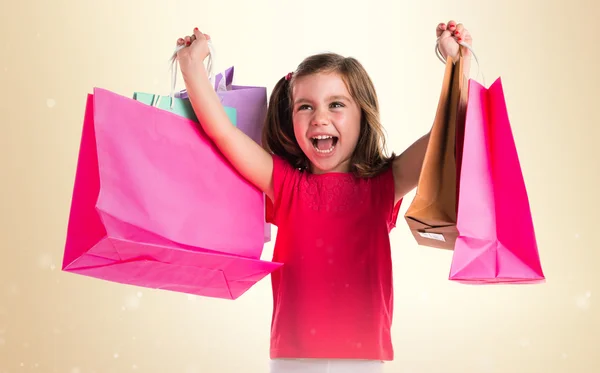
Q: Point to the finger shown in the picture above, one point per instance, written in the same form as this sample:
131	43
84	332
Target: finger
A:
198	35
440	29
445	34
458	31
451	25
466	37
207	36
180	41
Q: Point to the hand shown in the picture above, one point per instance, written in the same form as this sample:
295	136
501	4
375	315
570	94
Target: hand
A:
191	58
449	35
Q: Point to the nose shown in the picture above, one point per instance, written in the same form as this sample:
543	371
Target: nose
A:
320	118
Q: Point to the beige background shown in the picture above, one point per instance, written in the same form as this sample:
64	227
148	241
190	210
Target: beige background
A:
55	52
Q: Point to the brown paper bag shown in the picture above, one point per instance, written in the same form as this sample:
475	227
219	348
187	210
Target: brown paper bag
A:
431	216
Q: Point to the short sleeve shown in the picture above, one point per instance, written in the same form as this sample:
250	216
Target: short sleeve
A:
284	177
387	190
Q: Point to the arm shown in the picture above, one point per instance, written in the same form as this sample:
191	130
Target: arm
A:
248	157
407	167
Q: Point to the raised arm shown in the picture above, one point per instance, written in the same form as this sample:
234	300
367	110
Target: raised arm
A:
407	167
248	157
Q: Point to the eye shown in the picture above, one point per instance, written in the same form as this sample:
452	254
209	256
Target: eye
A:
303	107
336	105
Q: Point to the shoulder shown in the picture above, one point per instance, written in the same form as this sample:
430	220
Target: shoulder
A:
384	185
384	179
281	164
283	171
285	180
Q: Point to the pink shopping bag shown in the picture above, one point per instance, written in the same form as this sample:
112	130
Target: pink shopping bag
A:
250	102
496	242
155	204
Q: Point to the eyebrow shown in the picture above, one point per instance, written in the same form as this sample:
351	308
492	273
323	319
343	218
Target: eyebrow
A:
330	98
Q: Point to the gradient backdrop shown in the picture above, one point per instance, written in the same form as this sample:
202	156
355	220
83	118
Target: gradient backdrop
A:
55	52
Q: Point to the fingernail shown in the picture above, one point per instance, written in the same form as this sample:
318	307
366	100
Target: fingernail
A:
456	33
195	28
187	43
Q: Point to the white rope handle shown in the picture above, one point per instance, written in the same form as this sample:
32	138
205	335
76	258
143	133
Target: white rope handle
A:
174	69
441	57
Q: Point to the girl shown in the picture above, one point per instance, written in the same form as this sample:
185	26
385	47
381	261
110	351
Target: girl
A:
334	197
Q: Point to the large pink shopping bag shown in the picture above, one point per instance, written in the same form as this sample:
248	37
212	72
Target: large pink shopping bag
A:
496	242
250	102
155	204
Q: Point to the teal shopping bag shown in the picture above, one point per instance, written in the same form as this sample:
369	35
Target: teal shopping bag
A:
180	106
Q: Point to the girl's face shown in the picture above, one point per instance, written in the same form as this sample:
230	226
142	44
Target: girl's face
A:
326	121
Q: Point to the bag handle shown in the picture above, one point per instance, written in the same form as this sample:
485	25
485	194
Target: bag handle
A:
441	57
174	68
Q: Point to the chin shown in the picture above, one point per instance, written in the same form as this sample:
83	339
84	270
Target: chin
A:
328	164
332	160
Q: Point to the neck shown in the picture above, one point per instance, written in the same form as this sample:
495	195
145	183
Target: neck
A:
343	167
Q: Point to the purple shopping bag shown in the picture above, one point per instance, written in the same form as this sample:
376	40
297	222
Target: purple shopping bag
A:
250	102
496	242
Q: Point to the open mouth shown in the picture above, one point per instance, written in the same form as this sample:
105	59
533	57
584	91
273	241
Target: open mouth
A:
324	143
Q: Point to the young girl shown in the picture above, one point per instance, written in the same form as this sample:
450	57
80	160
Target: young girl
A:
335	197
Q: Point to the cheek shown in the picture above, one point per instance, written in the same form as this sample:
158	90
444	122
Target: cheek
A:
300	129
349	126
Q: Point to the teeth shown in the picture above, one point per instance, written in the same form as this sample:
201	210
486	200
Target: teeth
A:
325	151
315	140
322	137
